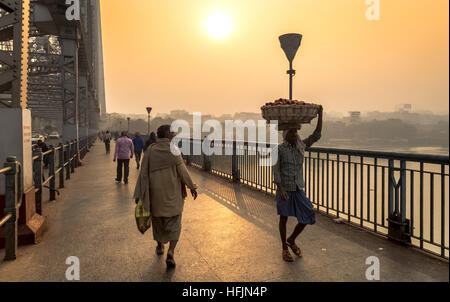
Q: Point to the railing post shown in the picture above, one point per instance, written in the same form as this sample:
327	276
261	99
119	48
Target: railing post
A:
189	156
234	164
51	173
61	165
391	187
76	153
11	196
206	160
398	227
37	175
67	152
72	156
80	151
403	191
84	148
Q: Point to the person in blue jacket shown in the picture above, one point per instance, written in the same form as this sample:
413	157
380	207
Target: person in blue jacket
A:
138	143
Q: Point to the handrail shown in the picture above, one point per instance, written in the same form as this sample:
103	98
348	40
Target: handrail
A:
429	158
436	159
5	219
68	158
13	193
5	170
69	155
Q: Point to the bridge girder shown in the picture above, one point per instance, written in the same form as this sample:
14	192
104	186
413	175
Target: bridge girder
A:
51	81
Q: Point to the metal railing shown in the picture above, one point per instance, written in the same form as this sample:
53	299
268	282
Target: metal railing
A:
61	162
404	197
12	174
68	160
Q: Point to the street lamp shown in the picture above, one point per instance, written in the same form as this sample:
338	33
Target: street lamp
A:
149	110
128	119
290	44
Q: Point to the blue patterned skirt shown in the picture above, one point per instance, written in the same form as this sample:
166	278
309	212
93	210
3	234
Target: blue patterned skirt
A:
298	205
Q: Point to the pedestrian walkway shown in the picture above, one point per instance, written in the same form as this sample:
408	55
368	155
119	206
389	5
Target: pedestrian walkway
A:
230	233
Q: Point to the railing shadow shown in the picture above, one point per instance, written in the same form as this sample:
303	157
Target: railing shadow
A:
254	206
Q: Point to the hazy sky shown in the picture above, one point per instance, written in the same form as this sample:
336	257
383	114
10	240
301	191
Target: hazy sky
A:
159	53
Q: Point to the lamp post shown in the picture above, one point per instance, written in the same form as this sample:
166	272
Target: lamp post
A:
128	119
290	44
149	110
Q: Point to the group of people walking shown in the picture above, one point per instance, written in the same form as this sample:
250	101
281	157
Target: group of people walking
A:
125	149
163	180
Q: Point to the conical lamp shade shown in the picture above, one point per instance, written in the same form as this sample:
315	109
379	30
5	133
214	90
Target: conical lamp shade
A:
290	44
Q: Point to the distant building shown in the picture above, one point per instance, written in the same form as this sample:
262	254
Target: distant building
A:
355	116
407	107
247	116
178	114
225	117
403	108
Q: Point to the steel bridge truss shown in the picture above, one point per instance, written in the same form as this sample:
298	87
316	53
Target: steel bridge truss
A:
51	65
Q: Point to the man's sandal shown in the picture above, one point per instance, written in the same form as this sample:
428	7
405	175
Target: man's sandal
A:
295	249
160	250
287	256
170	261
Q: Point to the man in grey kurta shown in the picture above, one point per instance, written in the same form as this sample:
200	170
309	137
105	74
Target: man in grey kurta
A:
161	187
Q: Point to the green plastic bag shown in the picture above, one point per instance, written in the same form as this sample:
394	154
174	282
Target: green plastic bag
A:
143	219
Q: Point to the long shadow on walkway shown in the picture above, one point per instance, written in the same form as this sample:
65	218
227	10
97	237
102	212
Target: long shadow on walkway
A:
330	242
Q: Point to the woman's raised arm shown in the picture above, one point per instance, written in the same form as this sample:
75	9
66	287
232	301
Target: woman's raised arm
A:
317	134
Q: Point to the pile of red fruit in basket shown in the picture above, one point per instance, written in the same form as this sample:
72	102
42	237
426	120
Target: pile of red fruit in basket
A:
288	102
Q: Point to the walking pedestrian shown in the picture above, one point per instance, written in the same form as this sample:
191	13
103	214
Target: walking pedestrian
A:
44	149
124	151
291	197
107	141
162	188
138	143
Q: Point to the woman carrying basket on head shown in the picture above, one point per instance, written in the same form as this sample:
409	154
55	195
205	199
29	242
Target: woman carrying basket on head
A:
288	176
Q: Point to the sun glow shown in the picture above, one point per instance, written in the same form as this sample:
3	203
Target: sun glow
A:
219	25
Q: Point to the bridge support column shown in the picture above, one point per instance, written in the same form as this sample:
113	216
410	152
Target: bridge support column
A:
15	119
15	134
82	106
70	83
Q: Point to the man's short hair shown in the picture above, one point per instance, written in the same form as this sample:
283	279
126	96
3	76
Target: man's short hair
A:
124	133
163	131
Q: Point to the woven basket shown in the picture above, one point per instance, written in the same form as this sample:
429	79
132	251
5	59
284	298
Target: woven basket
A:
290	116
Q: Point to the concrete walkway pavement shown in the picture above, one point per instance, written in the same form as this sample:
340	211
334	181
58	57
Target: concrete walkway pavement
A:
230	233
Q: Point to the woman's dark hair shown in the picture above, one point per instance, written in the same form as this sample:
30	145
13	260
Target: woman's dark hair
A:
151	140
152	137
163	131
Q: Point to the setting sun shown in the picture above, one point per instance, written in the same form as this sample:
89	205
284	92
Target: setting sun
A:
219	25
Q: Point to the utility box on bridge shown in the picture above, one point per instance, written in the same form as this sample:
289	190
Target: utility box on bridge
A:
15	131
